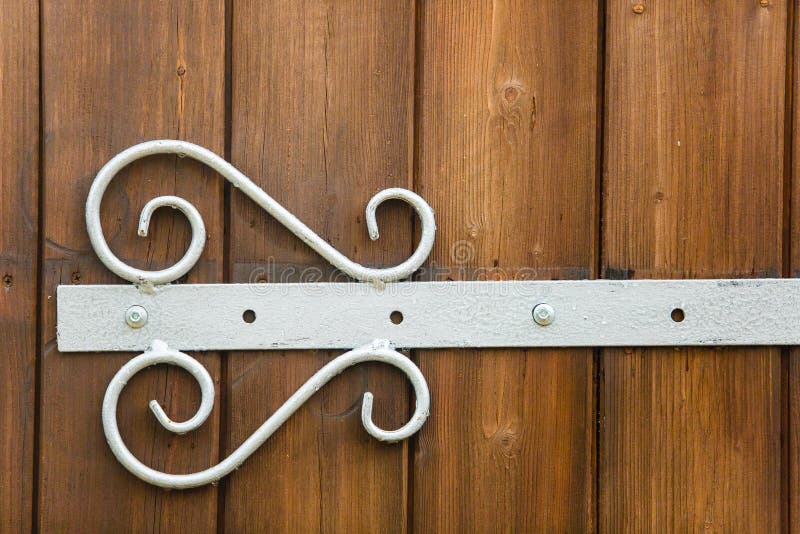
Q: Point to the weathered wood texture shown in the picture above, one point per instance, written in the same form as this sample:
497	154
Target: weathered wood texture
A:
19	186
322	110
115	74
506	148
690	439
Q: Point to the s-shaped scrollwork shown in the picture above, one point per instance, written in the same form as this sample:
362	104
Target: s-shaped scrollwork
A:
260	197
377	351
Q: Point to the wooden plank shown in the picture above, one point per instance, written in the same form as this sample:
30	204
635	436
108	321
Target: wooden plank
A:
691	438
117	74
793	380
506	156
322	119
19	182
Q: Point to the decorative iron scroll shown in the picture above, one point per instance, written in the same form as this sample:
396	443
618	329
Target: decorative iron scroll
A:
260	197
159	352
378	351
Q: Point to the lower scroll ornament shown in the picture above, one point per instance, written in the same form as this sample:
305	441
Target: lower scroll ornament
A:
378	351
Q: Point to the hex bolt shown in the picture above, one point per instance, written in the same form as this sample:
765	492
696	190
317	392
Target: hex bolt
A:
136	316
544	314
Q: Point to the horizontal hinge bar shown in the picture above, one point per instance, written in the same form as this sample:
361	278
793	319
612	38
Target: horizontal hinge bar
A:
586	313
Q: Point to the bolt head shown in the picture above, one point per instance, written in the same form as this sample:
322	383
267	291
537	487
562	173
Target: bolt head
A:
136	316
544	314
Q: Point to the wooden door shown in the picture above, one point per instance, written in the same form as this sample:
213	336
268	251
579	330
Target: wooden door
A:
554	140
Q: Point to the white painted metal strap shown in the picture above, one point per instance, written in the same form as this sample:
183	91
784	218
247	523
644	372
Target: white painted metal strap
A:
587	313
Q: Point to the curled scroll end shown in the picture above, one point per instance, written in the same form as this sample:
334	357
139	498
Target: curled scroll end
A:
159	352
372	223
366	418
178	203
387	354
163	418
422	208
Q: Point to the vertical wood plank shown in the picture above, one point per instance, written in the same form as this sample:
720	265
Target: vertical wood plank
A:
322	119
793	382
690	438
116	74
506	148
19	183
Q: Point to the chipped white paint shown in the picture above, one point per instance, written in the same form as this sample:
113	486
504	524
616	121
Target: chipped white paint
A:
260	197
377	351
435	314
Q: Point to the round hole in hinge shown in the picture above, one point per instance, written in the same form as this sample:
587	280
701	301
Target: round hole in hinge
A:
396	317
677	315
249	316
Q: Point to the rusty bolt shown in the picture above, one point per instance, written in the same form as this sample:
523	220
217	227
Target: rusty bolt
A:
764	3
638	9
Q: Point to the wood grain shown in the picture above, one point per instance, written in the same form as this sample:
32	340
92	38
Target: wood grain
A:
19	183
502	141
506	149
117	74
793	381
322	97
691	438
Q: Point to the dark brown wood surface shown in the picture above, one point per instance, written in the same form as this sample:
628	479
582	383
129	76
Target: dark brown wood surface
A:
690	439
322	102
115	75
554	140
19	226
792	268
506	154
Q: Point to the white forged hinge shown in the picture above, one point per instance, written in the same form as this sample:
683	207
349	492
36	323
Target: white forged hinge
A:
587	313
373	318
